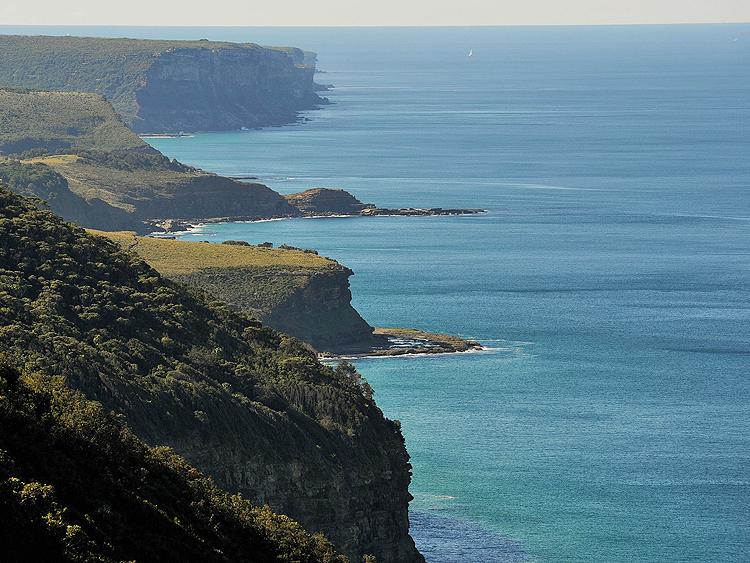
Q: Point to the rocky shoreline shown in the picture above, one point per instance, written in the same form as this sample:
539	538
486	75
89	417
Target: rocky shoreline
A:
392	342
323	203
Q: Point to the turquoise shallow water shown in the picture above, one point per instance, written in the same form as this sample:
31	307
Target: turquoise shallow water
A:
610	277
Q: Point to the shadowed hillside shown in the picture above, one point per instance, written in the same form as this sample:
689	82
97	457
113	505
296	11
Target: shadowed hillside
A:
76	485
250	406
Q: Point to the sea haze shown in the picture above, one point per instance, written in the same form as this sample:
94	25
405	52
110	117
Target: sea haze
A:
610	276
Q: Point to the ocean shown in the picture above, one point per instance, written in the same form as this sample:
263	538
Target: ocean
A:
609	419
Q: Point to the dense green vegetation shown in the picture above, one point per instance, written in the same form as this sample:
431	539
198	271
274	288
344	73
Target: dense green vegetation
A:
61	121
248	405
73	303
76	485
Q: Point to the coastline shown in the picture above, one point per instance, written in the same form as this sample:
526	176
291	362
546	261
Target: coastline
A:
407	342
192	226
326	358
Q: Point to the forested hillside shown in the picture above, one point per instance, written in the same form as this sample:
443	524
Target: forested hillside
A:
76	485
248	405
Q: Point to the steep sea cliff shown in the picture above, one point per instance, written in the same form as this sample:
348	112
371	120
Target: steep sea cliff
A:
229	88
169	86
245	404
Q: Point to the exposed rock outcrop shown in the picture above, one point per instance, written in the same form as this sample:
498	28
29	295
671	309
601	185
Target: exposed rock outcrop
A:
321	202
327	201
319	311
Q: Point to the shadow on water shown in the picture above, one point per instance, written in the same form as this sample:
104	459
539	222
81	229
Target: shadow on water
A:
470	543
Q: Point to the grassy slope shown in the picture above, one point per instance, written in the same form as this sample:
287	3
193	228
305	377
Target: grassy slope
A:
75	485
108	162
174	257
257	280
61	121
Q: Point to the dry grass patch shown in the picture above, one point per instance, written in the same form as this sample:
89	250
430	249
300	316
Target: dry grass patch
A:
176	257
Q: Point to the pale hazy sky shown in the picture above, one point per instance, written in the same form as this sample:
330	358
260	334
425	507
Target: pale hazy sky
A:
370	12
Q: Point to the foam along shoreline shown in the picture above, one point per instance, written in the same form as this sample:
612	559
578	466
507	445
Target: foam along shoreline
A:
327	358
393	342
165	135
181	227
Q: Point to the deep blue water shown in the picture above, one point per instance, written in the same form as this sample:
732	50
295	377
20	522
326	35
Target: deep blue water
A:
611	275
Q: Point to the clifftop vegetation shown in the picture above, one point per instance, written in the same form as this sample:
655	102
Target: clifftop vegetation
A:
292	290
35	179
107	166
75	297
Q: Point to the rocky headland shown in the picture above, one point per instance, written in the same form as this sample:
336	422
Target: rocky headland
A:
73	151
249	406
172	344
290	289
169	86
323	202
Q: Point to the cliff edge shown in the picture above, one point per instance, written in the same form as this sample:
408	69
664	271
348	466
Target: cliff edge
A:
249	406
295	291
168	86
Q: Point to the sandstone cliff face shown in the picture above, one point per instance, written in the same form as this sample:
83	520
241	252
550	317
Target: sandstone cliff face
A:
353	489
313	304
320	312
169	86
207	196
218	89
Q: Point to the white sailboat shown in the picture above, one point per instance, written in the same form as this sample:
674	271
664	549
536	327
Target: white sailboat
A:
471	52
